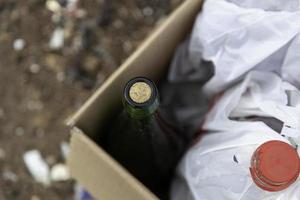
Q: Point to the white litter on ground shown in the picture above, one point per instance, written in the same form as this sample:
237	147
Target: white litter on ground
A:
57	39
19	44
53	6
37	166
60	172
34	68
65	149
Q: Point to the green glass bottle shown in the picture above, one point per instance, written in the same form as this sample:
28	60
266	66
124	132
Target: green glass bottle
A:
142	139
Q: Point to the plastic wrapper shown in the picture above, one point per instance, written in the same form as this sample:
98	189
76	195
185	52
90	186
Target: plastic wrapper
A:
217	166
240	36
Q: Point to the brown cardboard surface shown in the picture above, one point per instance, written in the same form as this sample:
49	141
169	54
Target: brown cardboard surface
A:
100	174
89	164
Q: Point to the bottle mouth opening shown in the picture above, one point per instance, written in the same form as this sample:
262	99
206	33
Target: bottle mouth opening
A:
140	92
275	165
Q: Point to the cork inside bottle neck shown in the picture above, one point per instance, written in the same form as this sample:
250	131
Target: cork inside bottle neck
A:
140	92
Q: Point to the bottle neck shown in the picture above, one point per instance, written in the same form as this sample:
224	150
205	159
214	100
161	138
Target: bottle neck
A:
140	98
141	112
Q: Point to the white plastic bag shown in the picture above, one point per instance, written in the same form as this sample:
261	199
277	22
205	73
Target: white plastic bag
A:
269	5
243	37
217	167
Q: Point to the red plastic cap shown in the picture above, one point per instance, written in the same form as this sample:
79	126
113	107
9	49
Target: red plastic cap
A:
275	165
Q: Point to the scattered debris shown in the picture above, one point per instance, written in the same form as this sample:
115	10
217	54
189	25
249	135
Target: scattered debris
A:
148	11
137	14
118	24
37	166
34	68
51	160
60	172
87	37
9	176
69	27
127	46
105	14
2	154
19	44
101	78
34	197
57	18
40	132
61	76
91	64
35	105
80	13
76	73
53	6
63	3
71	4
57	39
19	131
65	149
88	82
53	62
72	9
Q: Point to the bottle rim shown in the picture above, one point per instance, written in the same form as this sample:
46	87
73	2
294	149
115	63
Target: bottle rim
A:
150	83
145	109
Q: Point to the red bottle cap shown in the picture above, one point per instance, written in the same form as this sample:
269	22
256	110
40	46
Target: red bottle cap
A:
275	165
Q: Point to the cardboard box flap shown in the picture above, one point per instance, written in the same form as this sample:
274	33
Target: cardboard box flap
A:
150	60
99	173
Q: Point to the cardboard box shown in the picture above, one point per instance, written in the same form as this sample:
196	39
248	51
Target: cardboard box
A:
89	164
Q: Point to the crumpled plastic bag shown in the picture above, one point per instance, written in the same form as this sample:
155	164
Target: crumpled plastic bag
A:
217	167
239	36
253	49
269	5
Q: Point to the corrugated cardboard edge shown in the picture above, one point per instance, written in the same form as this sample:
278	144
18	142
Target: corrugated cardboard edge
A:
111	180
187	5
